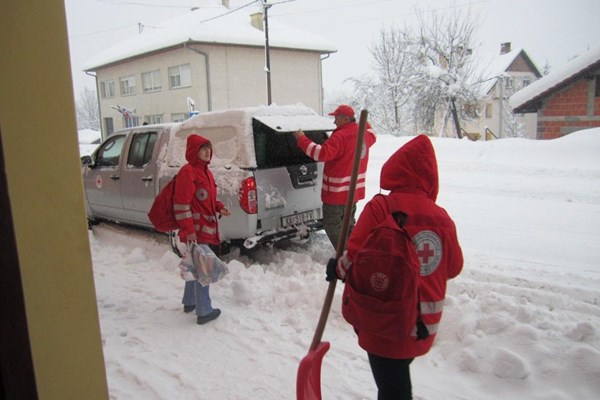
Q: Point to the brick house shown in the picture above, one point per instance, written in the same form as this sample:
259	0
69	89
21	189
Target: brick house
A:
210	58
566	100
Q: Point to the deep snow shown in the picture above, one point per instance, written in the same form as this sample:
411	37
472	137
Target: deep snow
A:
522	321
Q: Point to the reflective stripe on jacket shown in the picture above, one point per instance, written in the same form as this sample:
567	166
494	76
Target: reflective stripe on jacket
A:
195	200
338	154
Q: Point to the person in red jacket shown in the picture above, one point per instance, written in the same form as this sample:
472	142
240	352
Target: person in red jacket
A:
197	211
338	154
411	176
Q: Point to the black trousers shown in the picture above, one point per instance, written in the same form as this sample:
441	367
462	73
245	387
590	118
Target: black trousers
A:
392	377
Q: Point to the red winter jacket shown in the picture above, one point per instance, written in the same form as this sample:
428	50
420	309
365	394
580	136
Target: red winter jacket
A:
338	154
195	199
411	176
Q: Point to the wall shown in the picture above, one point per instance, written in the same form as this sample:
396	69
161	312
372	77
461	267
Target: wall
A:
41	163
237	79
570	109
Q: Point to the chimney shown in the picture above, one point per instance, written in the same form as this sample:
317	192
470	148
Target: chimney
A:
256	20
504	47
225	3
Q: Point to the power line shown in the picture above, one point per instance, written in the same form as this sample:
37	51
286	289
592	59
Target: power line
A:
227	13
103	31
314	11
135	3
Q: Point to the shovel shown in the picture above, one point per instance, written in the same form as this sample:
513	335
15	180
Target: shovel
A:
308	380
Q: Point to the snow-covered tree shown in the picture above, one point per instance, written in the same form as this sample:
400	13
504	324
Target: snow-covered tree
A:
88	114
419	74
512	126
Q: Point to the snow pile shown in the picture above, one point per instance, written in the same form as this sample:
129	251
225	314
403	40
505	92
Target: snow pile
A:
88	141
522	321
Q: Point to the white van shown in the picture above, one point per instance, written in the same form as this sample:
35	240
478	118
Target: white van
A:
272	189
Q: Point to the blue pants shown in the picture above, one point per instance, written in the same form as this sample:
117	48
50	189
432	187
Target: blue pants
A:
195	294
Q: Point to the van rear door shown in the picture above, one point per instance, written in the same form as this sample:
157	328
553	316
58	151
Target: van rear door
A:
288	181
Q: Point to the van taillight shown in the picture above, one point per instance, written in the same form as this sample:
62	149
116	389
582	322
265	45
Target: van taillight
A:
248	196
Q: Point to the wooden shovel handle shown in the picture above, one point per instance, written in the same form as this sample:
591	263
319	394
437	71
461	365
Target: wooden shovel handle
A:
362	125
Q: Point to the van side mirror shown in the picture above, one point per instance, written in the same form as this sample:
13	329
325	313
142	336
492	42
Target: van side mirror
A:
86	160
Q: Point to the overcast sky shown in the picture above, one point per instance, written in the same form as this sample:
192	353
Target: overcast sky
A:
550	31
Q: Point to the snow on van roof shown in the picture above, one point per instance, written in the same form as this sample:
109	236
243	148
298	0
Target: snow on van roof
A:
230	131
214	24
296	122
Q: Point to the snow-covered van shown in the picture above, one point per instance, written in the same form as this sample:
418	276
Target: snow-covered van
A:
272	189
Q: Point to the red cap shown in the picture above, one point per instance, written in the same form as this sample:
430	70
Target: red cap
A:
343	110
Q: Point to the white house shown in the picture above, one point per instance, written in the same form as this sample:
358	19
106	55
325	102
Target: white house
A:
209	58
506	73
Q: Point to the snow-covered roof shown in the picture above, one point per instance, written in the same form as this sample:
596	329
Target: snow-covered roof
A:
554	80
214	25
498	65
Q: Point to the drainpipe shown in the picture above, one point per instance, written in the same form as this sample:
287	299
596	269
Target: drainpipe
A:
322	91
102	129
501	108
207	66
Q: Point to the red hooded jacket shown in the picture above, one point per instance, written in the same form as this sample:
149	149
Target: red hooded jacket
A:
195	199
411	176
338	154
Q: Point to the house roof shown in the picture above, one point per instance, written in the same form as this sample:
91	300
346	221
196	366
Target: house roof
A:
528	98
499	65
213	25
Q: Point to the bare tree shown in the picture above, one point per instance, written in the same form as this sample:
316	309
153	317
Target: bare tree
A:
88	116
422	76
445	82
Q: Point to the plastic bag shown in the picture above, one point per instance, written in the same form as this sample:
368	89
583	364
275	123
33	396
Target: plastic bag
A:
200	263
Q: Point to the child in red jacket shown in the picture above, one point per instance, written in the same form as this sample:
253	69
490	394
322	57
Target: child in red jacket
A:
197	212
411	176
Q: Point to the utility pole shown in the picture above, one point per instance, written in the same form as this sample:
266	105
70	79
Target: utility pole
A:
266	7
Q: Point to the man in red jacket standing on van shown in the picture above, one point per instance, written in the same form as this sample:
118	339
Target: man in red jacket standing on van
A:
338	154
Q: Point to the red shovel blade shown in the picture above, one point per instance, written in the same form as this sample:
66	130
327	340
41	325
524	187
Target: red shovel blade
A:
308	381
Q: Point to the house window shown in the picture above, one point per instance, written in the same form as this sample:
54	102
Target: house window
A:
131	121
109	128
488	110
107	89
128	86
151	81
180	76
509	83
472	110
179	117
526	82
154	119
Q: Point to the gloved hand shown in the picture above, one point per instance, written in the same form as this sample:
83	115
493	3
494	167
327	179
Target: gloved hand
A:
331	275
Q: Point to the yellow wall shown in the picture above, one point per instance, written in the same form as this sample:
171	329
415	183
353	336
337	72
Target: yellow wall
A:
37	121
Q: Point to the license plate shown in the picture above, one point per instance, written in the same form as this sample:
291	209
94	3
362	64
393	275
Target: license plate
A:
297	218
